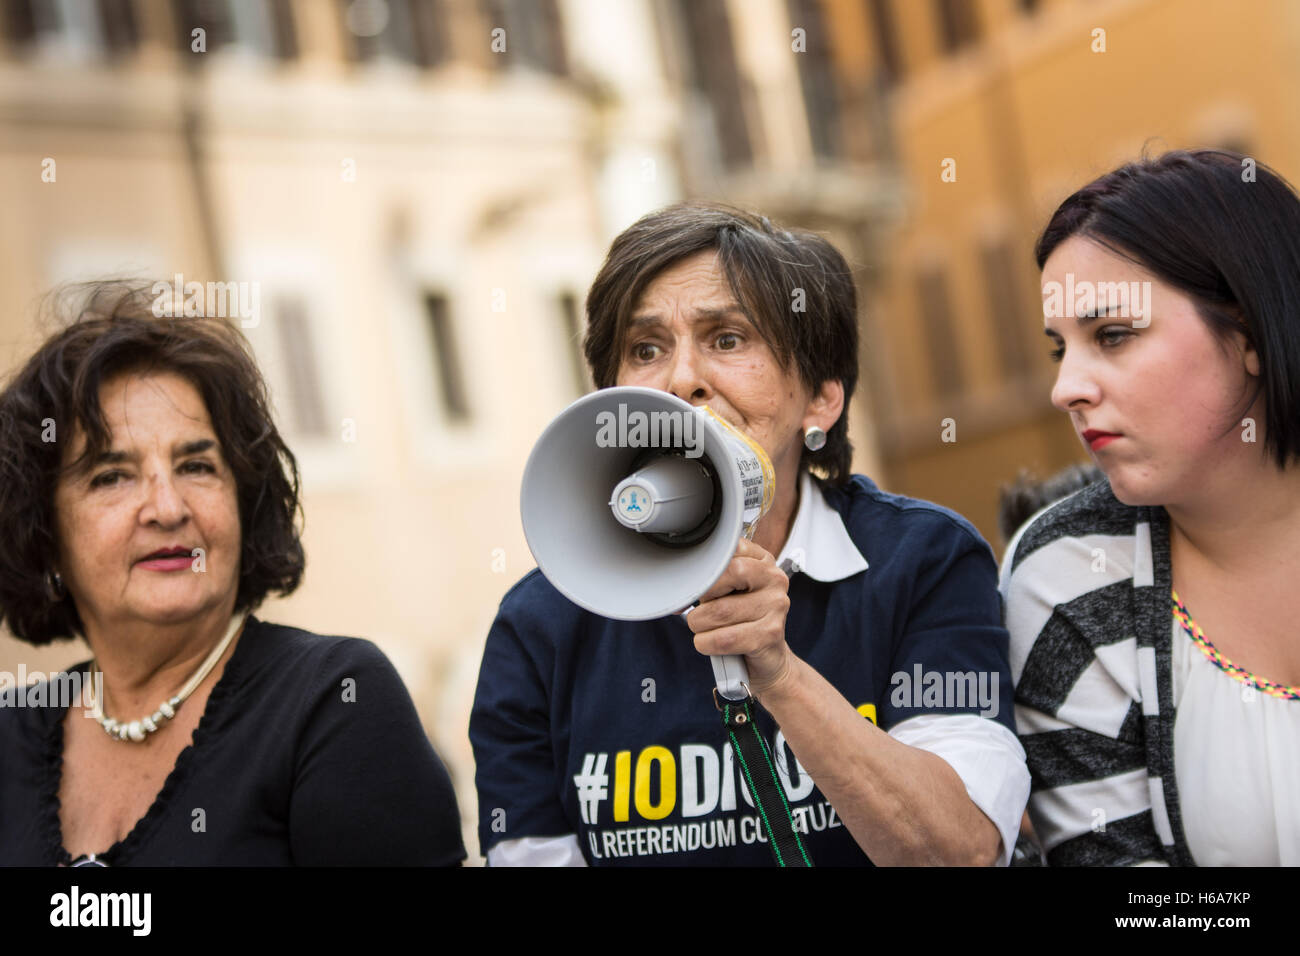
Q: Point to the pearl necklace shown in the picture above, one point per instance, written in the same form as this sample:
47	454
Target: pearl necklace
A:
137	730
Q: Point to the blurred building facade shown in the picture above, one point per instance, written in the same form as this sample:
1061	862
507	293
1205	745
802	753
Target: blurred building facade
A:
423	189
1021	102
421	193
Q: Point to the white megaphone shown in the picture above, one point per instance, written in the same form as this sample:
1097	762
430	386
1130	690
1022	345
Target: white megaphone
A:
634	502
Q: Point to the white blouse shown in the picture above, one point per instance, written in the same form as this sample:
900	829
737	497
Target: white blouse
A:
1237	763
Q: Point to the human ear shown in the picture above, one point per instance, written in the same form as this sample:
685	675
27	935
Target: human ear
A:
1252	361
825	406
1249	357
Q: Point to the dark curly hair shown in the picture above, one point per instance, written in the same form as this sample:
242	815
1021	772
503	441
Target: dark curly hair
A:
765	266
114	331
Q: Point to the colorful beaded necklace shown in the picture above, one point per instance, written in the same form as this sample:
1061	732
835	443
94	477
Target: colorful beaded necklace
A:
1218	660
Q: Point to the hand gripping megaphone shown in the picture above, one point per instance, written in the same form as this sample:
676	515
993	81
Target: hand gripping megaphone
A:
634	501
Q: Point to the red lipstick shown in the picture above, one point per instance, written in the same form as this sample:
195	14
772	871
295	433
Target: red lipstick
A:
1098	439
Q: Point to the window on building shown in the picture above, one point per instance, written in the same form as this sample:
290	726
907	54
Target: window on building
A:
81	27
817	78
401	31
1003	289
431	21
886	36
571	330
301	366
711	69
77	24
533	34
958	26
451	380
284	31
121	32
261	27
940	335
210	16
19	22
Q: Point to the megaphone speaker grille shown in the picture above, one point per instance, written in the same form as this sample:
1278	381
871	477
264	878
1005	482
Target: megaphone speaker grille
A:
583	550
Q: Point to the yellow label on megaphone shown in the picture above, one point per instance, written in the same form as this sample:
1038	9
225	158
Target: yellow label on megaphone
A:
757	475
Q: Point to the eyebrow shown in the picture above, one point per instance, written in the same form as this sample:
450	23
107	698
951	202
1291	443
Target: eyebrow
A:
117	456
720	312
1084	319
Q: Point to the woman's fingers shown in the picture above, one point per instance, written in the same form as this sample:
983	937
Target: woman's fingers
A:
746	607
767	656
744	613
750	569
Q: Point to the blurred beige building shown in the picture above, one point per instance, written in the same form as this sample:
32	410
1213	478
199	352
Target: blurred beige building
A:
421	193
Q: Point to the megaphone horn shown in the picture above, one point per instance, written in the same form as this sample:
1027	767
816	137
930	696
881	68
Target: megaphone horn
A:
634	501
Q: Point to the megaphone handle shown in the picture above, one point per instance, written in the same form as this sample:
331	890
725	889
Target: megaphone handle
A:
731	676
729	671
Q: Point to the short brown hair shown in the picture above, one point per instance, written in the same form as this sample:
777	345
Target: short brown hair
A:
115	331
765	266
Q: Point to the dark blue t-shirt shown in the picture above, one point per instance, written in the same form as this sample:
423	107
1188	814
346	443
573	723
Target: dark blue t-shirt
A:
607	729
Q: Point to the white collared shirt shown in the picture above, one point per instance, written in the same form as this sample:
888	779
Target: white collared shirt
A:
818	544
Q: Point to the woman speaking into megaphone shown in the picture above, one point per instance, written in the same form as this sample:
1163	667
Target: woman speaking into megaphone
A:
869	623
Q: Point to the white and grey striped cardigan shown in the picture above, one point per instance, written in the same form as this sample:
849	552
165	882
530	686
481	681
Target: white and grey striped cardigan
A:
1086	585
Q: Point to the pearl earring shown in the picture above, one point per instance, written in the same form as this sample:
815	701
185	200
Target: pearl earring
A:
814	439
